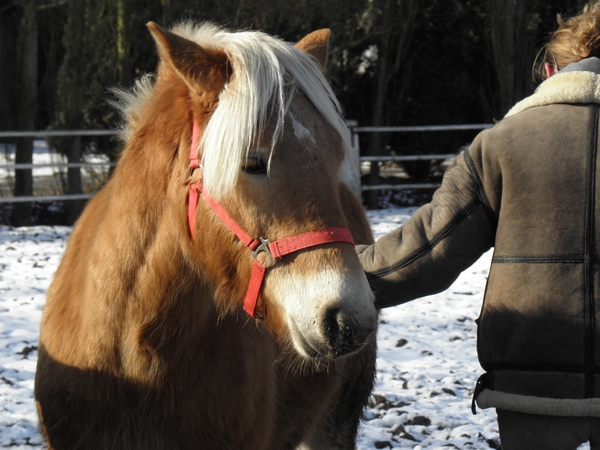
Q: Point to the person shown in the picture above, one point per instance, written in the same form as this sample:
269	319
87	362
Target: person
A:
529	187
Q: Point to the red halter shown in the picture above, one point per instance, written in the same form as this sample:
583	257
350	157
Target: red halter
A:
274	250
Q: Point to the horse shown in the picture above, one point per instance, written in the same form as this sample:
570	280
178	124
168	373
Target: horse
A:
210	295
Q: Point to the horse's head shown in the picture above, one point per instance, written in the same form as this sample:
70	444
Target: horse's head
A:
272	154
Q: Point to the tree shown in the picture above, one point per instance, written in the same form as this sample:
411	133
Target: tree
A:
27	88
512	32
10	17
391	24
516	31
73	70
97	55
124	30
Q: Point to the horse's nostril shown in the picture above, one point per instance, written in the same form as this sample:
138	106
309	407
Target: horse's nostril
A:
330	324
342	334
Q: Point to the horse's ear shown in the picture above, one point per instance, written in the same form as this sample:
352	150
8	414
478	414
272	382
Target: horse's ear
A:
203	70
316	44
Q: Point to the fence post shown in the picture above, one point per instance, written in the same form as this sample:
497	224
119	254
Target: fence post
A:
353	160
74	186
21	212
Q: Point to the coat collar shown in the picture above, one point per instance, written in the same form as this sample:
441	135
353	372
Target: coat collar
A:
577	83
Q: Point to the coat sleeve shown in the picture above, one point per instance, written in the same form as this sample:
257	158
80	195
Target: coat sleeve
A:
426	254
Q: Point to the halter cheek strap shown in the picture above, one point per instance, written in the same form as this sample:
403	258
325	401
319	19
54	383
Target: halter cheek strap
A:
194	188
273	250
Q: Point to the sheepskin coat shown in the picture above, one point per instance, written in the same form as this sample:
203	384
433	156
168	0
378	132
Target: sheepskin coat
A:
530	188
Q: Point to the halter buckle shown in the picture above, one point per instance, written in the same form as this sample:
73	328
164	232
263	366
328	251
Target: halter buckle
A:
263	247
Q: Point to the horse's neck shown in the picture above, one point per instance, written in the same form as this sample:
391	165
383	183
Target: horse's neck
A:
143	208
145	219
125	268
136	228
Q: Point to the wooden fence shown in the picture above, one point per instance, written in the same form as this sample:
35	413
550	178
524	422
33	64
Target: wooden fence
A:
355	130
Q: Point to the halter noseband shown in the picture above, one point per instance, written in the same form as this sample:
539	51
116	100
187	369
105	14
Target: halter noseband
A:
274	250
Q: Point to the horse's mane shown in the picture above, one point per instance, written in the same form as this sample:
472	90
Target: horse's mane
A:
267	73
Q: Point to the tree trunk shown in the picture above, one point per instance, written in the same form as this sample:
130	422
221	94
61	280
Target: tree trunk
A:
124	42
27	66
376	148
9	31
397	25
76	35
167	13
511	39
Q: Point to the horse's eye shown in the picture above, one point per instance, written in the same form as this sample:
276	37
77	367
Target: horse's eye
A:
254	165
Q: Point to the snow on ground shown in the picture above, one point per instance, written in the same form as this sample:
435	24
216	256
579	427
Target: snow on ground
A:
28	258
427	364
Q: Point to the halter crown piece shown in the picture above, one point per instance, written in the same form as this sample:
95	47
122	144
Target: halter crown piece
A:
274	250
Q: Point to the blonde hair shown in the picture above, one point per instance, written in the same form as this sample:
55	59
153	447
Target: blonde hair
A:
575	39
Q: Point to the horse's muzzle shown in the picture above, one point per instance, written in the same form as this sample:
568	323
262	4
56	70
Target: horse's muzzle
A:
337	334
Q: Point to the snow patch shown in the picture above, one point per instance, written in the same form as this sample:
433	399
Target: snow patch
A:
426	367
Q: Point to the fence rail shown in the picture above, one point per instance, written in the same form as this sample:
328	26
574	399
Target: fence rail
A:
355	130
45	198
418	128
352	126
41	134
405	157
378	187
58	165
57	133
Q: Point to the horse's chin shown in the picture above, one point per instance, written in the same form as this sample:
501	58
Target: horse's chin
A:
316	349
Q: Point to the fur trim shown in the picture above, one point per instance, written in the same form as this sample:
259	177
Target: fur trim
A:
568	87
587	407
